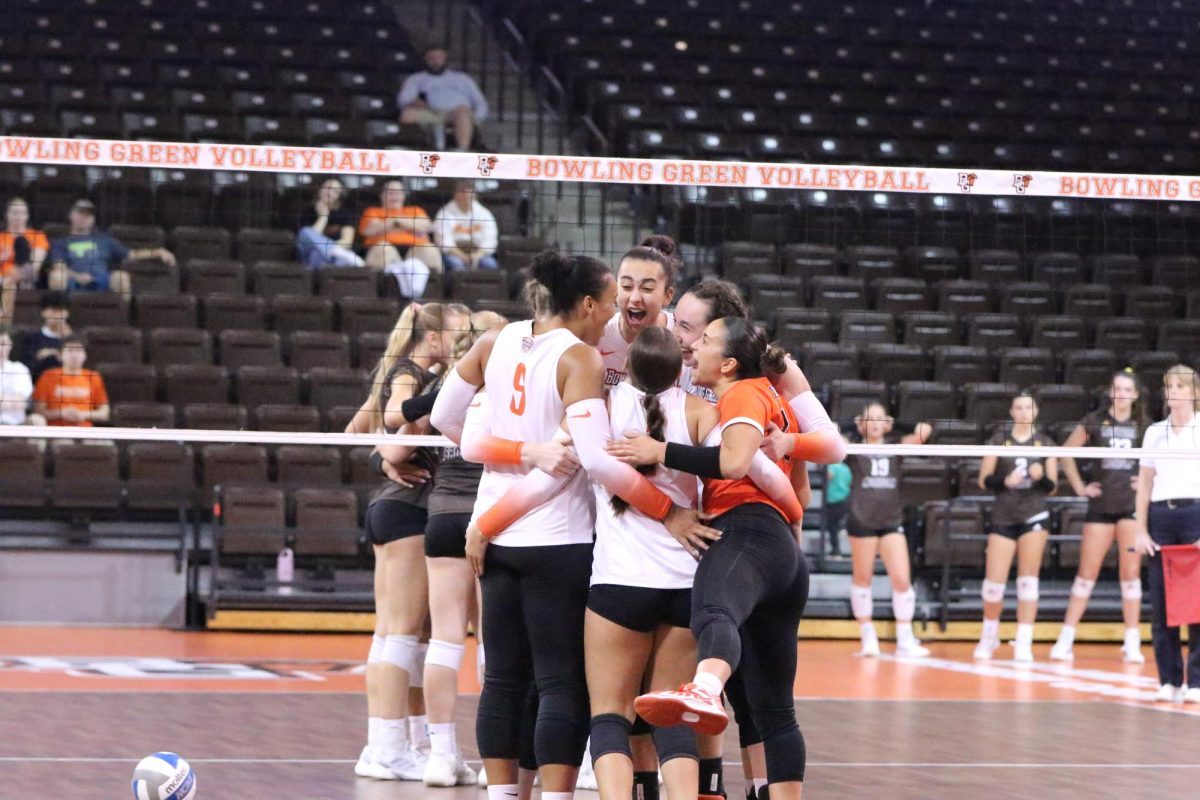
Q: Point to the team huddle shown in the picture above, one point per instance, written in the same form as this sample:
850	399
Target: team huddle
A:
628	488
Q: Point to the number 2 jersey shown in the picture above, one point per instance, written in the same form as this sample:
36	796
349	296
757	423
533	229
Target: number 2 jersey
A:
522	386
1015	506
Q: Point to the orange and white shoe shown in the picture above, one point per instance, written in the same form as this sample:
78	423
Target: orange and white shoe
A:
690	705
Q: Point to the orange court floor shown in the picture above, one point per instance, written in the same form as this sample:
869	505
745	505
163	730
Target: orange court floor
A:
283	714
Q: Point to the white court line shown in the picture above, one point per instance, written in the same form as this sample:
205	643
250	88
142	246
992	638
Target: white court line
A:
825	764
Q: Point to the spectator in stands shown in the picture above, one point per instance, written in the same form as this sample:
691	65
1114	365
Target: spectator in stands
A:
89	260
466	231
43	350
328	238
22	251
397	240
438	95
70	394
1168	513
16	387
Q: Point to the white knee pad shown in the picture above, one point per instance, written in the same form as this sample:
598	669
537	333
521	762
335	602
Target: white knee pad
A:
444	654
904	605
400	651
375	654
416	678
861	602
992	592
1131	590
1027	588
1082	587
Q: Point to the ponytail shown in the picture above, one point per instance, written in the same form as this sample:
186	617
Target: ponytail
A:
656	424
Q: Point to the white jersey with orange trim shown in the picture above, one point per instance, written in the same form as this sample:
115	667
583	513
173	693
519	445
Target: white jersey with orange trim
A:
522	385
633	549
614	349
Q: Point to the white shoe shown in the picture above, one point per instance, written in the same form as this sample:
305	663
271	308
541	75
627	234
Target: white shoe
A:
448	769
1023	655
1166	693
911	649
1192	695
985	649
482	777
404	766
365	767
870	644
587	775
1131	651
1062	651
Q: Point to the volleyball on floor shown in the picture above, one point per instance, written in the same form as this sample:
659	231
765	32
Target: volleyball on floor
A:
164	776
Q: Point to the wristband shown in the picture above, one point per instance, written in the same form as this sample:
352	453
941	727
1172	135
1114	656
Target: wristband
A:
375	462
703	462
1044	484
995	483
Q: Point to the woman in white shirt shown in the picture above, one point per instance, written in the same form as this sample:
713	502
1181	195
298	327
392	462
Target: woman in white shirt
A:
16	387
1168	513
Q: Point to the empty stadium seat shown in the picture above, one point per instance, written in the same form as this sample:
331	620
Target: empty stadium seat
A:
215	416
171	346
275	278
837	293
1028	299
22	475
265	244
328	387
195	383
129	383
988	403
252	521
267	385
1060	403
769	292
1058	333
86	476
924	480
1122	334
98	309
326	523
809	260
867	327
162	476
994	331
825	362
892	363
362	314
901	295
287	418
300	465
1089	368
204	278
114	345
930	329
289	314
165	311
307	349
740	260
143	415
242	348
847	398
964	297
1026	366
341	282
234	312
962	364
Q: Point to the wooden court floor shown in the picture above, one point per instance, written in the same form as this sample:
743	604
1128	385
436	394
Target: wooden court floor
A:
282	715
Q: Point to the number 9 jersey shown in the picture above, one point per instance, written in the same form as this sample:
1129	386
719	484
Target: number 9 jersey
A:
521	379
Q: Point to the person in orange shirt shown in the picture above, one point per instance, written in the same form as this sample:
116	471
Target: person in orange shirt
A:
22	251
393	230
70	394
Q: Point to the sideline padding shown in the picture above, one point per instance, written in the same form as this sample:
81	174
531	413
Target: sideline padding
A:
570	169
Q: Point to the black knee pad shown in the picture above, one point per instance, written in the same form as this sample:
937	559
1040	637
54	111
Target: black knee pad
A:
497	722
641	727
610	734
677	741
735	691
645	785
712	776
562	728
527	758
783	743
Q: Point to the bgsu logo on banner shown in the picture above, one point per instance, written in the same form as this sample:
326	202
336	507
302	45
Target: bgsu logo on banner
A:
966	180
429	162
1021	182
487	164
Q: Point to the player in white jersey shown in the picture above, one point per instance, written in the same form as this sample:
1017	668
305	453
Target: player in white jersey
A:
535	575
646	280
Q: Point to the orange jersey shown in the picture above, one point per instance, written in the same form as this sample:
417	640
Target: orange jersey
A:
37	241
397	237
753	401
58	390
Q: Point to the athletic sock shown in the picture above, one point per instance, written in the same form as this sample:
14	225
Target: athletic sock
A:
751	793
1066	636
904	633
374	726
645	786
712	776
709	683
505	791
443	738
557	795
393	736
1024	636
991	630
760	787
418	731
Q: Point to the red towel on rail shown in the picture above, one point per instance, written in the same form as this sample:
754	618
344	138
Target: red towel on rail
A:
1181	571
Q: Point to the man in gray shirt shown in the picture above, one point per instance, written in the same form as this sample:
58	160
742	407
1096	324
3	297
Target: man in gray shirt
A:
438	95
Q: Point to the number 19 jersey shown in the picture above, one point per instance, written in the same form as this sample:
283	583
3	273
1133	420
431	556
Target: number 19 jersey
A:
521	379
